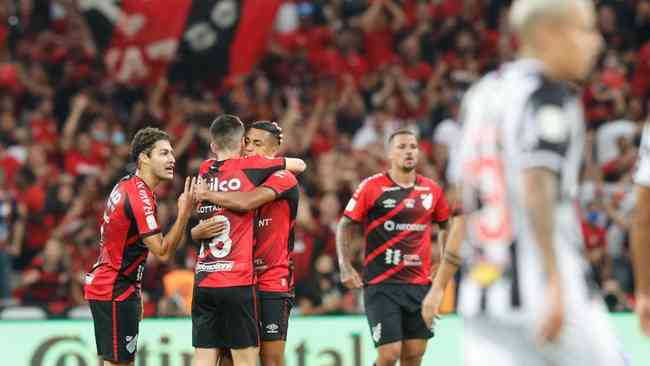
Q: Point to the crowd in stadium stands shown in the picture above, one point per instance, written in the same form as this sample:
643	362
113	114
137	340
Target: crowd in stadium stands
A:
339	76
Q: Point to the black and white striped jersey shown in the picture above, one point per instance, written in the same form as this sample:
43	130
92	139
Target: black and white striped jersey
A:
516	119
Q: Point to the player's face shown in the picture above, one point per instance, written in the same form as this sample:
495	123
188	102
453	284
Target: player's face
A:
580	42
260	142
161	160
404	152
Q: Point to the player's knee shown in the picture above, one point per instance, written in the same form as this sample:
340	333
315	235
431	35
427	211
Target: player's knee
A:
412	359
390	353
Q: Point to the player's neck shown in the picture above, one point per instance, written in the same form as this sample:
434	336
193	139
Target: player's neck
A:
149	178
227	154
548	68
402	178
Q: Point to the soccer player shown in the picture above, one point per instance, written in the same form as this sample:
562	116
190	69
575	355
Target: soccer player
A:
224	307
395	211
129	231
641	234
525	297
277	200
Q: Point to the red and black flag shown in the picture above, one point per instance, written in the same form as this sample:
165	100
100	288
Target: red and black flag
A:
206	39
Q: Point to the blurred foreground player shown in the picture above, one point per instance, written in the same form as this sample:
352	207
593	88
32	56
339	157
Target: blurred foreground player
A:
641	234
526	295
224	307
395	212
277	199
129	231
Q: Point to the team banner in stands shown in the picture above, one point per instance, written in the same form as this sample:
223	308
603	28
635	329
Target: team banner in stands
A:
205	40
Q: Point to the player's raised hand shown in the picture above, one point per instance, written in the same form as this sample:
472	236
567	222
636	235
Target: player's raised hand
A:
431	305
200	190
553	320
186	200
642	309
351	278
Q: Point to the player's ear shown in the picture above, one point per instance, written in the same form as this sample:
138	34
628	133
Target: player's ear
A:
213	147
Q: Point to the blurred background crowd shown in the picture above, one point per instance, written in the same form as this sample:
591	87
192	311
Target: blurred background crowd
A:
338	76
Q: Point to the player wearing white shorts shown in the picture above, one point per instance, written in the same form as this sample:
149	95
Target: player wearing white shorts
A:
525	295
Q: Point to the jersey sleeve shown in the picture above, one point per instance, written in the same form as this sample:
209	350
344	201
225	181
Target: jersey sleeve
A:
441	212
259	168
358	206
281	182
145	212
642	175
546	129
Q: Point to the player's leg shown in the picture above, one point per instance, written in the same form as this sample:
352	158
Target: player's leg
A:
206	326
116	330
416	332
242	331
274	311
225	357
412	352
385	321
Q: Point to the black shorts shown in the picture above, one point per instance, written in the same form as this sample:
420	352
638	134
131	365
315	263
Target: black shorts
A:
393	312
275	308
116	329
225	317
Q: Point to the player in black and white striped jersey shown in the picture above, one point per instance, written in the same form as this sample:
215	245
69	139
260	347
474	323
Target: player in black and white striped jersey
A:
525	295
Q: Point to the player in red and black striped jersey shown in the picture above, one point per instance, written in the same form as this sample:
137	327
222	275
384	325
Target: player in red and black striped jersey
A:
395	213
129	231
224	308
277	203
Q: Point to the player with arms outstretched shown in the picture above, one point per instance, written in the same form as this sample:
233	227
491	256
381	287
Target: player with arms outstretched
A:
224	307
395	212
129	231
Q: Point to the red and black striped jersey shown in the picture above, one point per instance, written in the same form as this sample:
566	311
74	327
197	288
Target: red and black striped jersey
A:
129	217
227	260
397	224
274	233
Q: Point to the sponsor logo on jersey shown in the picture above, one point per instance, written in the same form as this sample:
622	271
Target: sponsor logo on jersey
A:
233	184
89	278
131	343
264	222
409	202
427	200
218	266
422	188
393	226
272	328
147	205
389	203
412	260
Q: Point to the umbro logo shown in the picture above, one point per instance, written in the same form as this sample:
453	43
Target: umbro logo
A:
272	328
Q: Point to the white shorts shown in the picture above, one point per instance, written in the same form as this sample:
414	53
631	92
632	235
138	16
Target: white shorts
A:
587	339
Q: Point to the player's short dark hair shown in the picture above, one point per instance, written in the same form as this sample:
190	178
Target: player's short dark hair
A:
269	127
401	131
144	140
227	131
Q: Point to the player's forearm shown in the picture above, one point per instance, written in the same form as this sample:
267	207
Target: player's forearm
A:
640	236
451	259
541	196
173	237
348	233
232	200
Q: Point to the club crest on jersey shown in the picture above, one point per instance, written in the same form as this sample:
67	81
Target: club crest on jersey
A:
409	203
427	200
389	203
